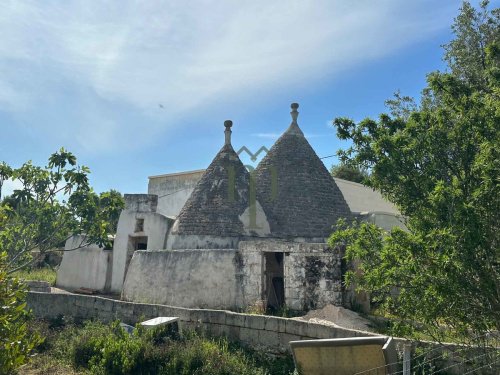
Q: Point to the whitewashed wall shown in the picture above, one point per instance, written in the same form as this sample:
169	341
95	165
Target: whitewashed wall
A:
88	267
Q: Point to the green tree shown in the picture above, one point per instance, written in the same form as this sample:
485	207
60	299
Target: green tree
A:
466	54
16	341
348	172
441	167
5	173
53	204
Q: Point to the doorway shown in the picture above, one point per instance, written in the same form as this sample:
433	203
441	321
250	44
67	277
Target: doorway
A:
135	243
274	282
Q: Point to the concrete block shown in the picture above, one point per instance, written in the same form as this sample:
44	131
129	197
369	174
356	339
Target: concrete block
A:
271	324
296	327
269	340
85	301
214	329
199	316
319	331
105	316
255	321
144	311
183	314
103	304
124	310
232	333
282	324
165	311
216	317
235	319
249	337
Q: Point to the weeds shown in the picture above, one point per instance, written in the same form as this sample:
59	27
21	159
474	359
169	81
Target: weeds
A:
101	349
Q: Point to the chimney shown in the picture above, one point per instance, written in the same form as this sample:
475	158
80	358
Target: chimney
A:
227	132
294	112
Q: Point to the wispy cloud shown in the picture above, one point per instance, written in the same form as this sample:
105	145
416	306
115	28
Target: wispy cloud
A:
188	55
266	135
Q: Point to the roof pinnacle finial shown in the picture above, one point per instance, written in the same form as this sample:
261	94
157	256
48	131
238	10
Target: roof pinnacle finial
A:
294	112
227	132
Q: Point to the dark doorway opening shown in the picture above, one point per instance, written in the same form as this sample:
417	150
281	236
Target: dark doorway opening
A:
135	243
274	284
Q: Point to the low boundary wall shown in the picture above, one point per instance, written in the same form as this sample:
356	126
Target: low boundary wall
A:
268	333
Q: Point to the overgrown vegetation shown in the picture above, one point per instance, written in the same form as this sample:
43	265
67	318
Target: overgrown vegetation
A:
16	342
42	274
98	348
349	172
439	162
53	204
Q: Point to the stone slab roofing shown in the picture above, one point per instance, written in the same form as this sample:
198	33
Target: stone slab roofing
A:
219	198
296	190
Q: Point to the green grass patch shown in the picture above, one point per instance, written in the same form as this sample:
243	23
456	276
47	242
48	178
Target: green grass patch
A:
41	274
96	348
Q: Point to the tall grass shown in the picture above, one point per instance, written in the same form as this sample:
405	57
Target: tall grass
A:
41	274
96	348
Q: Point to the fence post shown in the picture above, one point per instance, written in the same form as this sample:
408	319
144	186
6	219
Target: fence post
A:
406	359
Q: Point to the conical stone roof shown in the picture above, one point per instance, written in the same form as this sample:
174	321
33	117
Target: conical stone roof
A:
298	194
219	198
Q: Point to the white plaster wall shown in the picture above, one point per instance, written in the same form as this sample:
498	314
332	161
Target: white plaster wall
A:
187	278
255	221
155	228
86	267
181	241
173	190
384	220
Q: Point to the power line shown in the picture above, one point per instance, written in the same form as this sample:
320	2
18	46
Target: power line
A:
329	156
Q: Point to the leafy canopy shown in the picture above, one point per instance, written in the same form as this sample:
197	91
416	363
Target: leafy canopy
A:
348	172
53	204
440	165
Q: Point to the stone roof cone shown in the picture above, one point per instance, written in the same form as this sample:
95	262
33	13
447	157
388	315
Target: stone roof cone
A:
298	194
219	198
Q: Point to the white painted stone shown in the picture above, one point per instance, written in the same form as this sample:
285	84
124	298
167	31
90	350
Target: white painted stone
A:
173	190
255	221
86	267
159	321
187	278
155	229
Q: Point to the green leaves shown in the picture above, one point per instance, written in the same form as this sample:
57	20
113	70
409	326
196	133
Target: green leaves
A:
53	204
439	163
16	342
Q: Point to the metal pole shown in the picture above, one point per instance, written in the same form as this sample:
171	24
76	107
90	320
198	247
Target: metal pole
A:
406	359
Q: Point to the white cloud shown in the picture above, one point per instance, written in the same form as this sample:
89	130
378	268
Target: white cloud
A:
188	55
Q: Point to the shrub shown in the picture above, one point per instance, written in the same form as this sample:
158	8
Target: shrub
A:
16	341
107	349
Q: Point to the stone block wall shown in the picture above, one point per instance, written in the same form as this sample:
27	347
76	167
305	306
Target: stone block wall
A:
312	273
267	333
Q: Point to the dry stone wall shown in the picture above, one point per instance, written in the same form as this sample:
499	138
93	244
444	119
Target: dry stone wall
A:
312	273
268	333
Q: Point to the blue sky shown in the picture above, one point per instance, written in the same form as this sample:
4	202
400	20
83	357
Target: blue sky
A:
143	88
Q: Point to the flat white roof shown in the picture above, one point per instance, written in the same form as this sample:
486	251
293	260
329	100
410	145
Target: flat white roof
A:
177	173
359	198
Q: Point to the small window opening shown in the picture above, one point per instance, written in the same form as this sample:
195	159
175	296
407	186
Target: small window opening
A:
142	245
139	225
